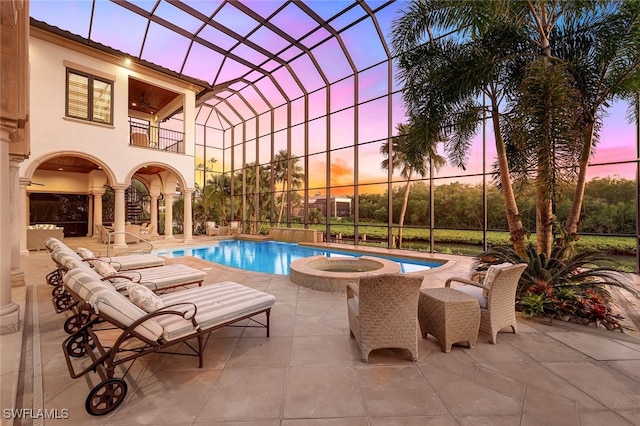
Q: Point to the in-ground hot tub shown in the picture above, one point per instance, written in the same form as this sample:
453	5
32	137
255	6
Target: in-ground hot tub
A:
334	273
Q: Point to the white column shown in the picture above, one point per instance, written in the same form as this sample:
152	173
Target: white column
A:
97	209
23	207
17	274
118	219
168	216
90	226
153	219
188	220
9	311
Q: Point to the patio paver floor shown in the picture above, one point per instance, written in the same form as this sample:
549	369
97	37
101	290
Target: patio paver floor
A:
309	371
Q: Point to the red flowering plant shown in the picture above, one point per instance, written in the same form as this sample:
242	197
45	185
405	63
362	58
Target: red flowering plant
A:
568	287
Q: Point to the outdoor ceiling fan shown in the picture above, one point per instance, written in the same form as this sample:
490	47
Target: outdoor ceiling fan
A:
146	105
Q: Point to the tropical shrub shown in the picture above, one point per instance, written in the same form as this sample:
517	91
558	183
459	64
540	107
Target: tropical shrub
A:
573	289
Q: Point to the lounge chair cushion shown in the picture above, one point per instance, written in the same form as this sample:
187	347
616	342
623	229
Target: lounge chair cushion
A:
135	261
144	298
216	303
167	276
52	243
104	298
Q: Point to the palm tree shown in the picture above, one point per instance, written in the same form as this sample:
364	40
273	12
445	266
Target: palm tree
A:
446	78
605	64
508	58
544	111
286	171
407	166
590	57
258	194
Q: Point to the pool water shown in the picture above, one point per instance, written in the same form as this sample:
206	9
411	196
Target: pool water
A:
274	257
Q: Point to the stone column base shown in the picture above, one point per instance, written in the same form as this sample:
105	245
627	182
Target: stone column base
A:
9	318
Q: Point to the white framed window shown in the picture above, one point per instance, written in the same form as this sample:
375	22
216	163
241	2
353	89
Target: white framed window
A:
89	97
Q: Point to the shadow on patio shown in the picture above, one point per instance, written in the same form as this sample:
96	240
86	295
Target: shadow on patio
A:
309	371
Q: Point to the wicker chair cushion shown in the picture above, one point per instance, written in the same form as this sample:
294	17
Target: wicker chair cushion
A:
476	292
216	303
144	298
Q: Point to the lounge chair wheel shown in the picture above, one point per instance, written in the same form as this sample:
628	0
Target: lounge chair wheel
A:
76	347
75	323
54	278
63	302
105	397
57	291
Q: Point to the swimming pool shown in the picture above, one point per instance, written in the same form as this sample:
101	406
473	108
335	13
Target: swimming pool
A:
274	257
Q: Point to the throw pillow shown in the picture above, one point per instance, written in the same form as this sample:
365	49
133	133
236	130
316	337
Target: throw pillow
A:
144	298
86	253
106	271
492	273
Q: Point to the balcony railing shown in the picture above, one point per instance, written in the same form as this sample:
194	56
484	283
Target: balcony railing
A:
156	138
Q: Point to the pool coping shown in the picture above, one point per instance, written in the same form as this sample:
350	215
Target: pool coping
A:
302	272
445	261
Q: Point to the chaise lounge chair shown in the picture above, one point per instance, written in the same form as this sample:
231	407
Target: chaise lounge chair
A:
121	263
172	319
159	279
124	263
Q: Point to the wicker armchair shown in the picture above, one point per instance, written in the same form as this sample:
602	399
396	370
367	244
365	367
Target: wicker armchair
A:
212	229
383	312
496	293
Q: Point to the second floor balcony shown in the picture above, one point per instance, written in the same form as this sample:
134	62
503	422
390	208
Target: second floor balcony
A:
152	137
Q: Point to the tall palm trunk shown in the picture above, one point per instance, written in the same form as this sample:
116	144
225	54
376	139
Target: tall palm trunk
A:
571	225
403	212
284	187
544	221
516	230
544	200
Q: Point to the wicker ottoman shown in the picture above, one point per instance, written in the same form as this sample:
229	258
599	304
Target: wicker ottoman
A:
451	316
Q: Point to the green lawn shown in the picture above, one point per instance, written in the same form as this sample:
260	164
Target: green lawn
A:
621	249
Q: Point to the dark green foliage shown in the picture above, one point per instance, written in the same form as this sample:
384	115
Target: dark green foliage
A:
562	285
609	206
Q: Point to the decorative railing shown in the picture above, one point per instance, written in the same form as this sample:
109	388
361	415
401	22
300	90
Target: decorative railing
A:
153	137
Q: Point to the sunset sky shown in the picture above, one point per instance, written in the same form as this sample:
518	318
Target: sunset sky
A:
122	29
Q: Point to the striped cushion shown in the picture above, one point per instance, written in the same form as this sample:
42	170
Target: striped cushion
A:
135	261
84	283
68	259
107	301
217	304
52	243
166	276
